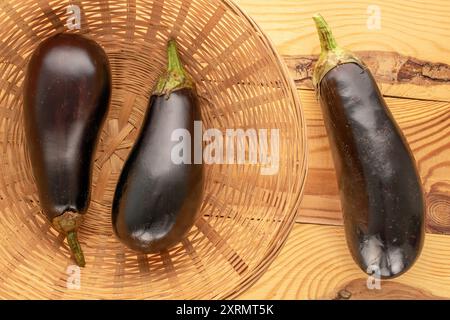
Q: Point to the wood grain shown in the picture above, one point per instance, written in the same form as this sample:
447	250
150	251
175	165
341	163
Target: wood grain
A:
395	74
315	264
410	31
415	28
358	290
409	57
426	125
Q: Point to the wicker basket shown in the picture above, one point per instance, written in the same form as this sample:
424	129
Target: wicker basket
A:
246	217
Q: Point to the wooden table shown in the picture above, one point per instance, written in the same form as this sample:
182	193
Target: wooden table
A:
408	50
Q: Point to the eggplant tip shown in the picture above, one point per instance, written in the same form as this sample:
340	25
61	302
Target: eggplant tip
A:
383	260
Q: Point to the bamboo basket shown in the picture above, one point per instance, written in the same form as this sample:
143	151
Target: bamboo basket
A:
245	216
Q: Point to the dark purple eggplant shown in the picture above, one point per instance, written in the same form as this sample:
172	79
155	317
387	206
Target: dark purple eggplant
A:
381	192
66	97
156	201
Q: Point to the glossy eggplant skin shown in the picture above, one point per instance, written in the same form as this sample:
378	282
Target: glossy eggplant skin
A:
156	201
66	97
381	193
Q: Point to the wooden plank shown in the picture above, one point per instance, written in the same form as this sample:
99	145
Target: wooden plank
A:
395	74
403	42
316	264
416	28
426	125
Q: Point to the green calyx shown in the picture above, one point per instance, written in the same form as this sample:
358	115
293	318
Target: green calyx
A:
175	78
68	224
332	54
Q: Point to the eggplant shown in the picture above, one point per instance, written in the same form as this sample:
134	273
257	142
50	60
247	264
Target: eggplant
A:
66	95
380	189
156	200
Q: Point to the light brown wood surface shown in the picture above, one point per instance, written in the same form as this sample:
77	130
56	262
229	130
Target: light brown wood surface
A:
410	58
418	29
415	28
315	264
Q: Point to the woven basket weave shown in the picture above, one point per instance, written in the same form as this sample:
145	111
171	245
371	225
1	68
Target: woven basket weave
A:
245	216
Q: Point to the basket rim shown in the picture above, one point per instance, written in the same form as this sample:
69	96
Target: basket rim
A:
287	86
274	250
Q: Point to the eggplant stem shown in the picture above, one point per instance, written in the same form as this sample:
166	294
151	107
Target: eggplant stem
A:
75	247
173	59
327	40
332	54
68	223
175	77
